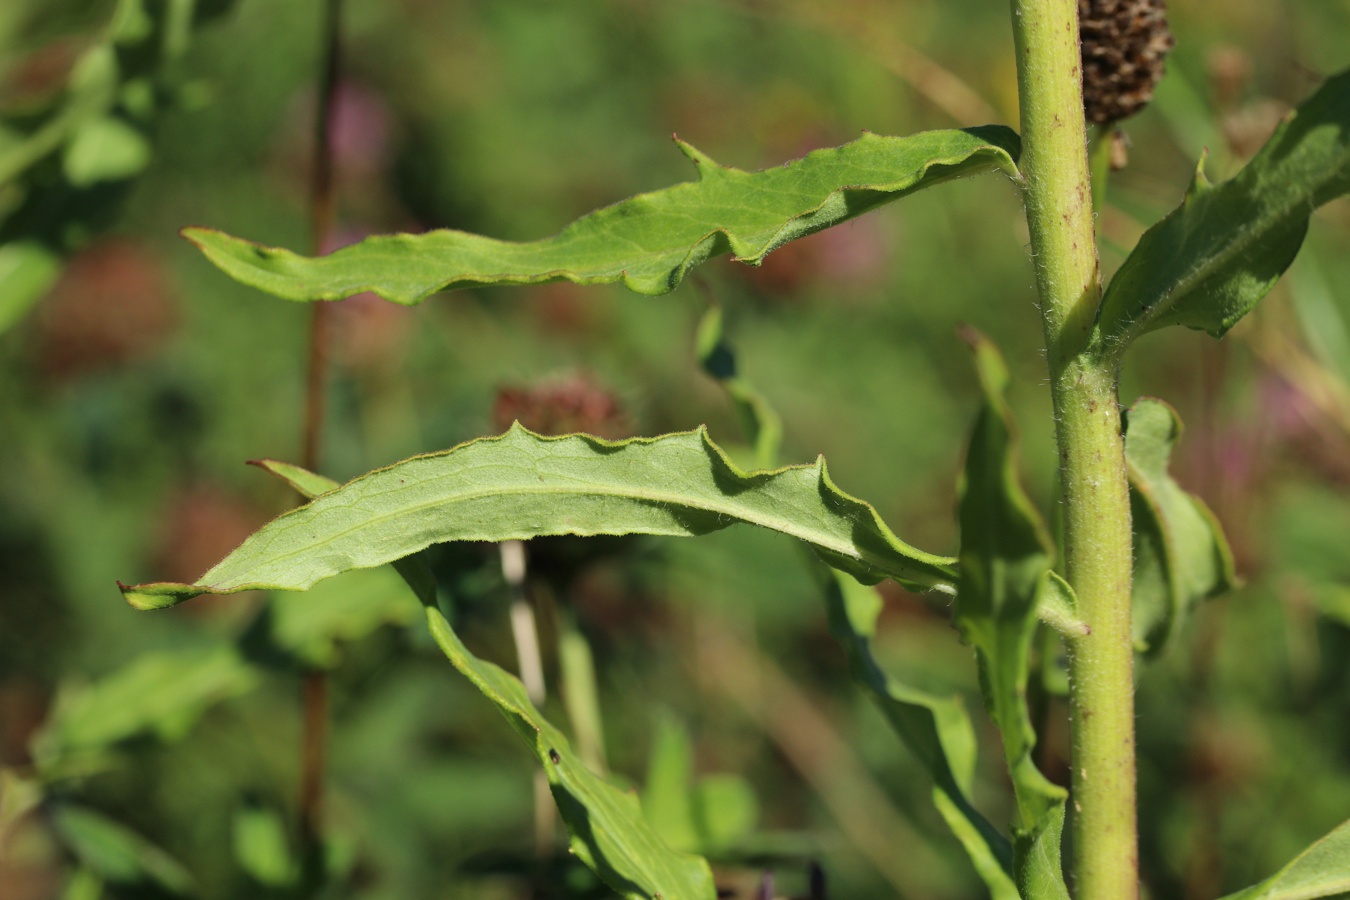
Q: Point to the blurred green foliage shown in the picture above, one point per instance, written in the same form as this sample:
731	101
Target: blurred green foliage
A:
142	750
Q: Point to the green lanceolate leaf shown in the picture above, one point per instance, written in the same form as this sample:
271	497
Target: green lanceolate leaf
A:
1181	556
521	485
1213	258
606	824
1005	555
608	831
115	852
649	242
935	727
1323	870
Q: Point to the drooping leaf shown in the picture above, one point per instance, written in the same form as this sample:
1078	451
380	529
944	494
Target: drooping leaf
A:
1005	555
521	485
1181	556
1323	870
116	853
1213	258
606	825
935	727
649	242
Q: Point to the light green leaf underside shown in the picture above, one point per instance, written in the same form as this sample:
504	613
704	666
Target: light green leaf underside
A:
521	485
648	241
1213	258
935	727
1181	556
606	825
1005	560
1323	870
608	831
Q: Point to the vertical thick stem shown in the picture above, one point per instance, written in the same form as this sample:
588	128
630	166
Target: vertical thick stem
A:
1092	463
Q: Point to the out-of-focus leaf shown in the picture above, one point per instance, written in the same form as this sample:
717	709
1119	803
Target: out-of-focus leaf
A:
311	625
1005	553
159	694
27	269
667	802
521	485
581	696
1213	258
1181	556
261	847
758	418
726	811
936	728
1333	601
608	831
649	242
116	853
105	149
1323	870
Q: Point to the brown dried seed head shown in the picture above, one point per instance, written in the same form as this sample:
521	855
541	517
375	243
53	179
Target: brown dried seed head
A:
1124	45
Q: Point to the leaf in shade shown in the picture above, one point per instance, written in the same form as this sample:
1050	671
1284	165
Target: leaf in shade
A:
1323	870
521	485
935	727
1213	258
1181	556
650	241
608	831
1005	555
758	419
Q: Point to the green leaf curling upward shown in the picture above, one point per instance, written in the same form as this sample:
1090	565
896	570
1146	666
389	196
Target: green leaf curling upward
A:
1213	258
521	485
649	242
1323	870
607	828
1005	555
1181	556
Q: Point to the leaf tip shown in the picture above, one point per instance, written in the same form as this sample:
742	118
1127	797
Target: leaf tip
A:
156	595
702	161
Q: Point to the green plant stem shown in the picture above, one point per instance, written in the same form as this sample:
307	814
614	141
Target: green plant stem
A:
1097	536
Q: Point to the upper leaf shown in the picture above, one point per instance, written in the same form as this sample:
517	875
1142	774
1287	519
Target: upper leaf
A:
1323	870
521	485
1213	258
649	241
1180	554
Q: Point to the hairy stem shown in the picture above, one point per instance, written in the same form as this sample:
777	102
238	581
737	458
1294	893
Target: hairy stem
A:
1058	198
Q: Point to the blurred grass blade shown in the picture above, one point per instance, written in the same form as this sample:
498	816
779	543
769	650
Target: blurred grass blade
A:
580	693
936	729
521	485
1213	258
649	242
1323	870
116	853
608	831
1005	553
1181	555
667	793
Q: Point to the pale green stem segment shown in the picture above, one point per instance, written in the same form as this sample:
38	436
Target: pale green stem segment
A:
1058	200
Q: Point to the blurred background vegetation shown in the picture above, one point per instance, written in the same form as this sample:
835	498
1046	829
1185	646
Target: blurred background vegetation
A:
158	754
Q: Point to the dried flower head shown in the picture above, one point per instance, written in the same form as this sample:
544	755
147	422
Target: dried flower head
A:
1124	45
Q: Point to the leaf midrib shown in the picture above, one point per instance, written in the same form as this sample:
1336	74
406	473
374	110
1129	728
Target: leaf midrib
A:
773	523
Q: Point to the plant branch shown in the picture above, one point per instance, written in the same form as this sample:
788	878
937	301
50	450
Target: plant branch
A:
1098	552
